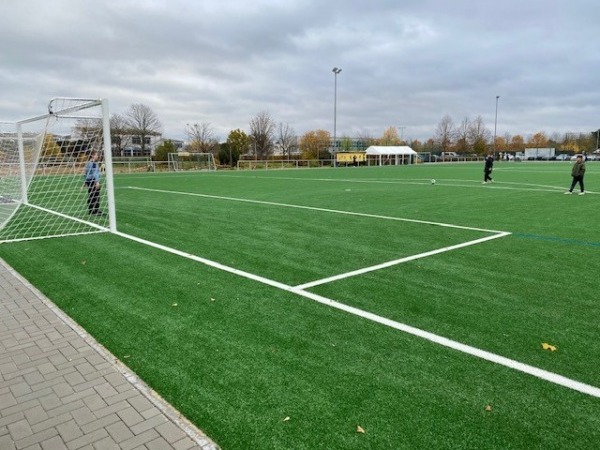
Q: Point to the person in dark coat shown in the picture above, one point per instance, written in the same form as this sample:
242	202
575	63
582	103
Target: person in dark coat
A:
577	173
487	169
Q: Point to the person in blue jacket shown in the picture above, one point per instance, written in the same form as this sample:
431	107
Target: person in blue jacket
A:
92	182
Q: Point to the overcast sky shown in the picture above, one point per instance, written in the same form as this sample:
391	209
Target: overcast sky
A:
405	63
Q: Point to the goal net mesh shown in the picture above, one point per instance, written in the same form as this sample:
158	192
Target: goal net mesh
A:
191	161
42	165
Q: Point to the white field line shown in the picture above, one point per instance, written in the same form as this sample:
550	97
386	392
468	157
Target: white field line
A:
65	216
450	183
529	187
99	228
37	238
440	340
525	187
312	208
399	261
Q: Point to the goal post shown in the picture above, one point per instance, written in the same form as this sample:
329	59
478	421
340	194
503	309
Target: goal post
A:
43	161
190	161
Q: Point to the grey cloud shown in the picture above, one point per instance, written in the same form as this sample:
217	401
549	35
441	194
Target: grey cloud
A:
221	61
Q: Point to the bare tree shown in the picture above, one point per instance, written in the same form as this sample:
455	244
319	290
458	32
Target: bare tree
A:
415	144
202	138
119	133
445	133
262	129
479	135
143	122
366	140
286	139
462	136
85	128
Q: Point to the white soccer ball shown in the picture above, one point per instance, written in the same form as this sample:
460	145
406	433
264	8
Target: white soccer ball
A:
432	181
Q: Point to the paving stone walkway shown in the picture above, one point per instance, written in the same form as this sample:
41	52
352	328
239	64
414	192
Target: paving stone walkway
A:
59	389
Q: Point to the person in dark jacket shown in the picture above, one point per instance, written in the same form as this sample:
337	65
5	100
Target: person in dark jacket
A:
487	169
577	173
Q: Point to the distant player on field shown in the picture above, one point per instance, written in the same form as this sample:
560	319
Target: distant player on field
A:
487	168
577	173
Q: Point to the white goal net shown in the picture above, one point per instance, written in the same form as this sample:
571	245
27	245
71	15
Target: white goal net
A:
191	161
44	163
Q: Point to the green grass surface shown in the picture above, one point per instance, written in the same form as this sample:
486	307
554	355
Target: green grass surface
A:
237	357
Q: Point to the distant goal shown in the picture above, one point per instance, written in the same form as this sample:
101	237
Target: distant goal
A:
186	161
42	164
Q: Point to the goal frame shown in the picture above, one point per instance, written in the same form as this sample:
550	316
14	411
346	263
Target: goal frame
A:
75	111
175	162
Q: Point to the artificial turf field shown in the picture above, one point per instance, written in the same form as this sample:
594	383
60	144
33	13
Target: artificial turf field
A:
290	331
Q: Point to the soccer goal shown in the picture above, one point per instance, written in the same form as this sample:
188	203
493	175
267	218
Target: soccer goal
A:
191	161
42	165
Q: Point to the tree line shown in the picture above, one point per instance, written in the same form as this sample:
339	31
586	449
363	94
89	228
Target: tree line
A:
265	136
474	137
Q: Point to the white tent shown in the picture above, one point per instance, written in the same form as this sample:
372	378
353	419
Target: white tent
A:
391	155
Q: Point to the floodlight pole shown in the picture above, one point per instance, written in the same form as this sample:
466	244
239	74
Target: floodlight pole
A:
401	128
495	124
335	71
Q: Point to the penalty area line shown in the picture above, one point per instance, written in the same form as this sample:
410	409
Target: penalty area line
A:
399	261
440	340
314	208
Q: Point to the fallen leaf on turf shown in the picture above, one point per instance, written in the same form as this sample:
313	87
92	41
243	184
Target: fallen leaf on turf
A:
488	407
547	346
174	304
360	429
212	299
126	356
83	262
286	419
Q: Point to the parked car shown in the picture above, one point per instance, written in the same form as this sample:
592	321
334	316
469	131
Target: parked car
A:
563	157
586	156
449	155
